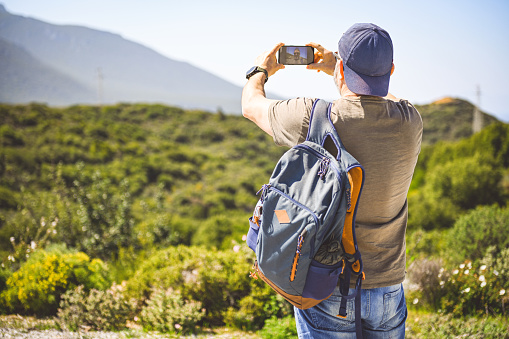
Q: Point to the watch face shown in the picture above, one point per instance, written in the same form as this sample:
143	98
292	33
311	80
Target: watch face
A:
251	70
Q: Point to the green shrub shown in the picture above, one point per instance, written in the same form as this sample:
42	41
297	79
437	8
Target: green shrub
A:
37	286
429	213
4	276
217	279
478	288
98	310
424	284
451	188
439	326
477	230
467	182
279	328
254	309
166	311
424	244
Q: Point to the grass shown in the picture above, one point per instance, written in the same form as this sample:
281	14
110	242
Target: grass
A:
428	325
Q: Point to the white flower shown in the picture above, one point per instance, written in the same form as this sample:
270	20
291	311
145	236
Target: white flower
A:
415	301
483	267
495	272
455	272
12	239
236	248
466	290
442	283
482	278
469	265
467	271
178	326
244	237
502	292
11	258
33	245
462	266
483	284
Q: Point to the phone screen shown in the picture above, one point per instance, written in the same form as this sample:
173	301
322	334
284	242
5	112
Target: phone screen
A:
296	55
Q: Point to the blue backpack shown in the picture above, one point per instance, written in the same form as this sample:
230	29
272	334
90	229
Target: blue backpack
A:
303	226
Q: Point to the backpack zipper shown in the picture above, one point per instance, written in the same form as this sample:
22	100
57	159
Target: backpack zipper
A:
320	156
300	242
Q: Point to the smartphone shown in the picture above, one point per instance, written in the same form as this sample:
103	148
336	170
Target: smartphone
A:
296	55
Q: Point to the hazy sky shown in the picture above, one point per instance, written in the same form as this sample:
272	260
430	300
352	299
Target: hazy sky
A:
441	48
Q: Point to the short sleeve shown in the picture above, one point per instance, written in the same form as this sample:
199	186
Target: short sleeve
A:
289	120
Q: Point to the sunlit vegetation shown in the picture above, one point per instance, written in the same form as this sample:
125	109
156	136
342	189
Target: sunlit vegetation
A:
143	209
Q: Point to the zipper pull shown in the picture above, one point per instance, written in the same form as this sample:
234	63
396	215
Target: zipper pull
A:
324	167
300	242
264	190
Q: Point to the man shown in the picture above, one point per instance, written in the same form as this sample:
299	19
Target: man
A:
384	134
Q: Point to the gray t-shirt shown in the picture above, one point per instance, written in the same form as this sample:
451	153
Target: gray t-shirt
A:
385	137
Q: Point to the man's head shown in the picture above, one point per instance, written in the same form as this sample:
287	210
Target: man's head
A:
367	54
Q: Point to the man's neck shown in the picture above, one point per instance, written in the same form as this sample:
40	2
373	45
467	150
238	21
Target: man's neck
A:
345	91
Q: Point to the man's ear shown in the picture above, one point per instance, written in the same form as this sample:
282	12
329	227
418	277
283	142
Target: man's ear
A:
341	71
392	68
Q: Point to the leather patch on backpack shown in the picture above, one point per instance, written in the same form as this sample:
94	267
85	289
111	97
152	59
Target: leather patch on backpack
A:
282	216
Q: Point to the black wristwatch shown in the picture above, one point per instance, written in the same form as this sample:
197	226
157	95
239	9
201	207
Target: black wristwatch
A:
256	69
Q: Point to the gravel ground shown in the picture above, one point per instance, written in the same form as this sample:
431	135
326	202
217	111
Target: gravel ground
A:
18	327
55	334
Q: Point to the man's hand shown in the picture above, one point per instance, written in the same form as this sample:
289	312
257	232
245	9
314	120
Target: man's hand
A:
268	60
325	60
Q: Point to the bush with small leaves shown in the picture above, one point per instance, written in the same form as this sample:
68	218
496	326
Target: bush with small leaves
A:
254	309
279	328
217	279
98	310
477	230
478	288
167	311
423	287
37	286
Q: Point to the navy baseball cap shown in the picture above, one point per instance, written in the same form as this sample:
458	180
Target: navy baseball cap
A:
367	54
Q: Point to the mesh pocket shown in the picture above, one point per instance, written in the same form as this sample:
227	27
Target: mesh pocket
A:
321	280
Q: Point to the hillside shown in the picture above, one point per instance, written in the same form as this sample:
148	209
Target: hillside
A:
24	76
124	70
449	119
157	198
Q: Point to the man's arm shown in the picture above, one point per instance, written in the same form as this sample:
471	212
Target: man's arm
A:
255	105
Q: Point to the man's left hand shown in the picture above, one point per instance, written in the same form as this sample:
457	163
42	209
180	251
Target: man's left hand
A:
268	60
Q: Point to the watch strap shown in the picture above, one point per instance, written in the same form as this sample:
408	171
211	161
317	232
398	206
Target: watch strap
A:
258	69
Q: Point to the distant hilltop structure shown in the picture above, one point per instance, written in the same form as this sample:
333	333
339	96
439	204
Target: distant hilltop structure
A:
477	121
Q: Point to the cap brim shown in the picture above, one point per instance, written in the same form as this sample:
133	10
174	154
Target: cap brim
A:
366	85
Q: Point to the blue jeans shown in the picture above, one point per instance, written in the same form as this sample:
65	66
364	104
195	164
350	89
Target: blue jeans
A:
383	315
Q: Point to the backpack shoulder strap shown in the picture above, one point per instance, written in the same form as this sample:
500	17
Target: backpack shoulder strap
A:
321	127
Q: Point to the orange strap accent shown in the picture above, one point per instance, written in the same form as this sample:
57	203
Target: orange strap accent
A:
355	180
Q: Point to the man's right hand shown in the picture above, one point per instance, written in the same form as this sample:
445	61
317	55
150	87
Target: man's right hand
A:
325	60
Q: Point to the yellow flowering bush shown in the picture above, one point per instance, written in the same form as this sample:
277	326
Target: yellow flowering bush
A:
37	286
